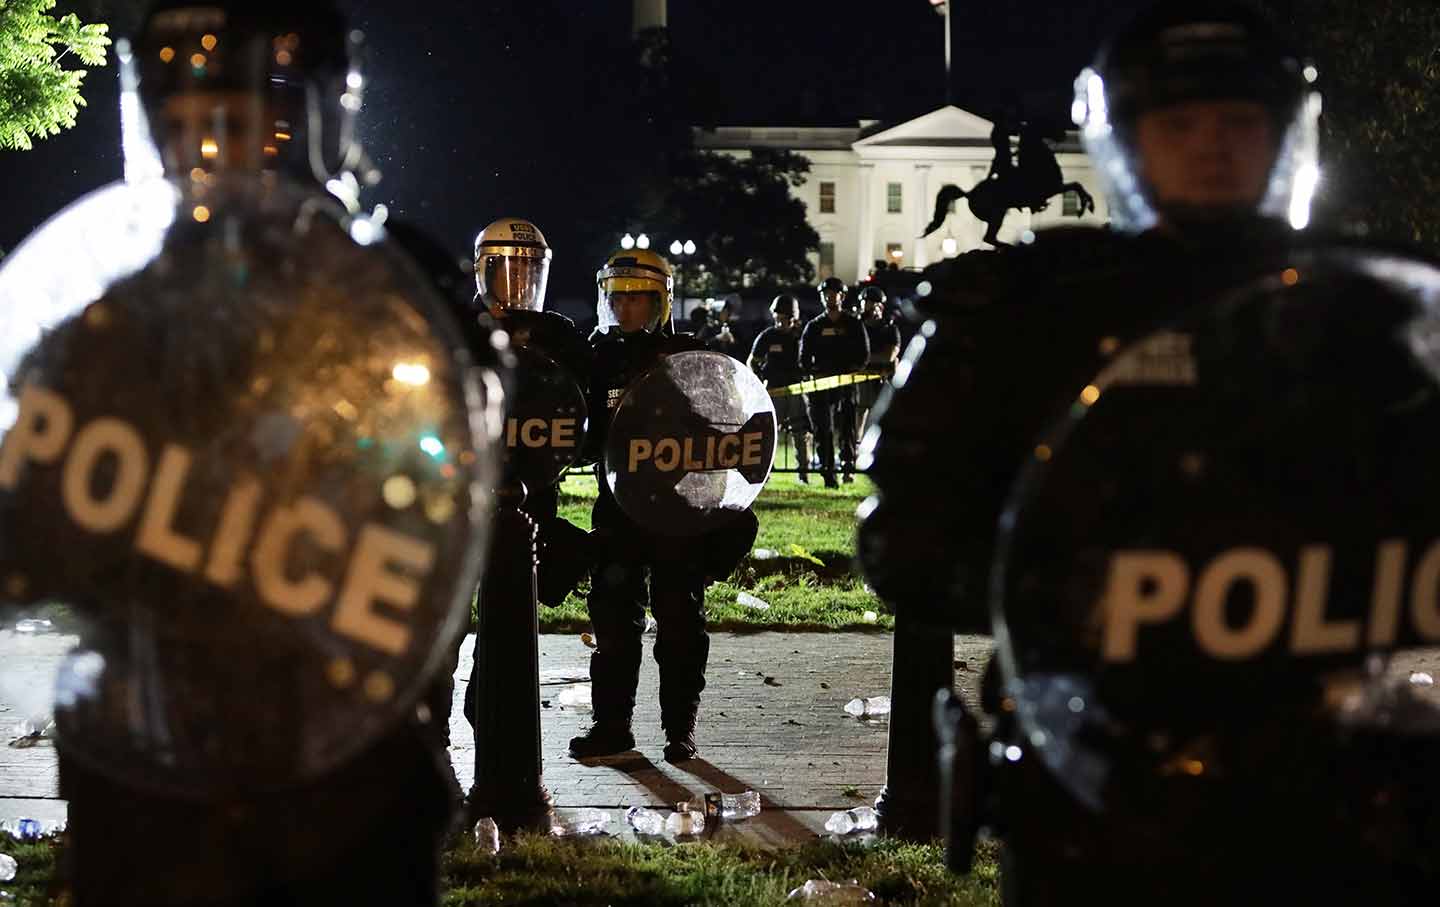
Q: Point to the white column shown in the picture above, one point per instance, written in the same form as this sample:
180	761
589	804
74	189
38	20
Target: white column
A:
920	254
865	241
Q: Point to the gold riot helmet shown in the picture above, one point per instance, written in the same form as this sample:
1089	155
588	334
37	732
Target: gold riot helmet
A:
628	280
512	265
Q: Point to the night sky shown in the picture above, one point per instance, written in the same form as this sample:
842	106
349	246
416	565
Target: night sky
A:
472	107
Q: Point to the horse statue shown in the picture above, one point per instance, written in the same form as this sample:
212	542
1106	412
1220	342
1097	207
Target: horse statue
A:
1029	183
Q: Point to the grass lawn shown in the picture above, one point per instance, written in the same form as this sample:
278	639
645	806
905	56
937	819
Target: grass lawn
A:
534	870
809	583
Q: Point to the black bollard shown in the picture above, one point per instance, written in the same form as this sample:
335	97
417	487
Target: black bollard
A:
923	665
509	784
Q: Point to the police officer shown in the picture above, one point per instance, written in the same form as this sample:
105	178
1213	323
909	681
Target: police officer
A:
1207	138
279	80
775	357
635	298
883	335
833	343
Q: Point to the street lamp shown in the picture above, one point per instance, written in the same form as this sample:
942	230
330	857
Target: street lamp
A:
627	242
949	246
689	247
681	251
676	247
642	241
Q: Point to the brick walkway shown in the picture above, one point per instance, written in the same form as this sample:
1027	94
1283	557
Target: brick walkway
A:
788	738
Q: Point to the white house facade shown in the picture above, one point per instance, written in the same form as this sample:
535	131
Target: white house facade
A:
870	194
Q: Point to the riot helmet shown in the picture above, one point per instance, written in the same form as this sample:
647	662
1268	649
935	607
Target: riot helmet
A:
636	291
1174	73
832	289
512	266
872	298
786	310
260	85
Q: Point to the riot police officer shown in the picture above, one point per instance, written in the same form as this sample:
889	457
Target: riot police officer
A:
833	343
1208	144
271	760
775	357
635	291
883	335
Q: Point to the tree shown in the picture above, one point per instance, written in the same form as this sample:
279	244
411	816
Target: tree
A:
746	224
39	97
1379	67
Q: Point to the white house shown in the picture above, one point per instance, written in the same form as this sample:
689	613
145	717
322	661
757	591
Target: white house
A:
871	190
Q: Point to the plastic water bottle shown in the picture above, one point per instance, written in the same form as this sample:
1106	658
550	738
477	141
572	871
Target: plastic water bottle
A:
861	818
821	891
22	829
750	601
33	625
1422	679
873	707
487	836
685	822
581	822
651	625
576	697
7	868
645	821
740	806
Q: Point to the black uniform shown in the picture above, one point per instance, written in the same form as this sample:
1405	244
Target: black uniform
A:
627	554
775	357
833	347
884	336
1012	338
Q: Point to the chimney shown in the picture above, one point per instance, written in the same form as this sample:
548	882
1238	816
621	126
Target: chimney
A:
648	14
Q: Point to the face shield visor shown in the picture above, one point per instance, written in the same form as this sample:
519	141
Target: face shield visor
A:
1190	63
513	278
633	297
259	90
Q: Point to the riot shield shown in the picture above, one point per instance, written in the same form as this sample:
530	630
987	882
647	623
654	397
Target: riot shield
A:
1211	552
546	420
691	444
245	462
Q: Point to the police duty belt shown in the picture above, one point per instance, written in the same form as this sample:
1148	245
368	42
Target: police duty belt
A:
816	385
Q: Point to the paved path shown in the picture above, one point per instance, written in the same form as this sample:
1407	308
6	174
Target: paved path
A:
788	738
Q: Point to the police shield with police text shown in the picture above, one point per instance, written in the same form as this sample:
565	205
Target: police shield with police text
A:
833	343
775	358
244	443
1199	576
686	443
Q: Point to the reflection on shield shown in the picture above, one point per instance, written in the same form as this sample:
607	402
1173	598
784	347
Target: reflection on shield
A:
691	444
545	421
1234	516
242	455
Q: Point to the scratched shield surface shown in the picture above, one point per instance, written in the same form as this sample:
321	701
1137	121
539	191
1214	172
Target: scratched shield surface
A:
545	420
246	460
1237	517
691	444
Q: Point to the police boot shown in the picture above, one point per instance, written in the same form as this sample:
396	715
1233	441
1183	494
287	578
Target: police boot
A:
830	479
605	738
680	741
802	458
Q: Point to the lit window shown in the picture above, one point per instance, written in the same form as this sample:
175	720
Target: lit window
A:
894	197
827	260
827	197
895	252
1072	204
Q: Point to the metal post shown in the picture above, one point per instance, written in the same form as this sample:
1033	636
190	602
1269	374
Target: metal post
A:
505	681
923	666
949	91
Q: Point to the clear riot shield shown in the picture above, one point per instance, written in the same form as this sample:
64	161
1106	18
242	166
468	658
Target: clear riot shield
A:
691	444
546	422
244	469
1201	572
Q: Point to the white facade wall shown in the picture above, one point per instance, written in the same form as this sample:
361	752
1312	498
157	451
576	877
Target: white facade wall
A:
946	146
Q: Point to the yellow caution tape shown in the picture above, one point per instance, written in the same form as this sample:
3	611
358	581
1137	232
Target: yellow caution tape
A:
824	384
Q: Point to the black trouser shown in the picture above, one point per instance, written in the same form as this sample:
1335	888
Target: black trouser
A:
832	414
795	421
369	834
631	573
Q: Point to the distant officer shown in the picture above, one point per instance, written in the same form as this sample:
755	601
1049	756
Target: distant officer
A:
639	566
833	343
775	357
883	335
1208	138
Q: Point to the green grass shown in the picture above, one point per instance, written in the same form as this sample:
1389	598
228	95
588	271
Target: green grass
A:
536	870
810	585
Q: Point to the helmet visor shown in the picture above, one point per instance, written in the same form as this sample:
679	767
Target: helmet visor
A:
511	282
629	310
